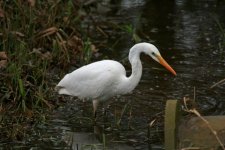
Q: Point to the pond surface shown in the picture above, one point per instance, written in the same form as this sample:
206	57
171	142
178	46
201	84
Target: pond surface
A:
187	35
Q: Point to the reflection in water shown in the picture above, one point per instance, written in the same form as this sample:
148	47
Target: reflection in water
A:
186	35
92	140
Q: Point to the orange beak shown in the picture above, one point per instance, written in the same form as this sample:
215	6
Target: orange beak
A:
166	65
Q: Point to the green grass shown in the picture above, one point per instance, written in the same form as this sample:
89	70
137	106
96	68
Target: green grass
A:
131	30
40	41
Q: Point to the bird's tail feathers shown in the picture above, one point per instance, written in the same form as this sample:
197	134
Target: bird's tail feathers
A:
61	90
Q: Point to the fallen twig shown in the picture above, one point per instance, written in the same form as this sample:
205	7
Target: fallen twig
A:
194	111
217	83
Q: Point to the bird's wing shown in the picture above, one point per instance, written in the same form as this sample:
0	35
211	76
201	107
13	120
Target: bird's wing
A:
96	80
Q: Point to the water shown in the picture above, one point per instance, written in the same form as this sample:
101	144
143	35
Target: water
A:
187	36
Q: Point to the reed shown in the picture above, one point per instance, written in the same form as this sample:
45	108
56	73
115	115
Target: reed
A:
37	38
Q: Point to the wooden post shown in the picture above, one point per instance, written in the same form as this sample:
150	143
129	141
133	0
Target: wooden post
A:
171	124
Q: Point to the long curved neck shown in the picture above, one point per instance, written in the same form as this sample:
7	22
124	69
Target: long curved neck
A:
133	80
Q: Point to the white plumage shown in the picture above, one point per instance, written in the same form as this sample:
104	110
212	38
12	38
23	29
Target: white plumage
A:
104	79
99	80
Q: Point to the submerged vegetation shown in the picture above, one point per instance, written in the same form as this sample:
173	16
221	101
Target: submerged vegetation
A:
37	38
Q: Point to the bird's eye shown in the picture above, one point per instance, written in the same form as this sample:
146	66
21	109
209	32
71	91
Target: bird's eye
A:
153	53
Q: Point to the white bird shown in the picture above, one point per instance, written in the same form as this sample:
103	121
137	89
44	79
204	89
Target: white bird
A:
104	79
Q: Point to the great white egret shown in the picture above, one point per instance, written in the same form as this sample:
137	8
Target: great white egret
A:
104	79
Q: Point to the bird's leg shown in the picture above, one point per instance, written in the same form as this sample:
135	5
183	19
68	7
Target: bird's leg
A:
106	111
95	105
106	106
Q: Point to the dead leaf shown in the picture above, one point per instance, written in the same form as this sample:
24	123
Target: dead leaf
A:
3	63
93	48
3	55
18	33
44	56
31	2
29	113
2	14
47	32
36	51
47	56
75	43
66	19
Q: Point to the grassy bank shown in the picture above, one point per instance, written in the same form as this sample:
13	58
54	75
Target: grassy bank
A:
39	39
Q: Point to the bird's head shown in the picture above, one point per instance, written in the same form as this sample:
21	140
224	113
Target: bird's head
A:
153	52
